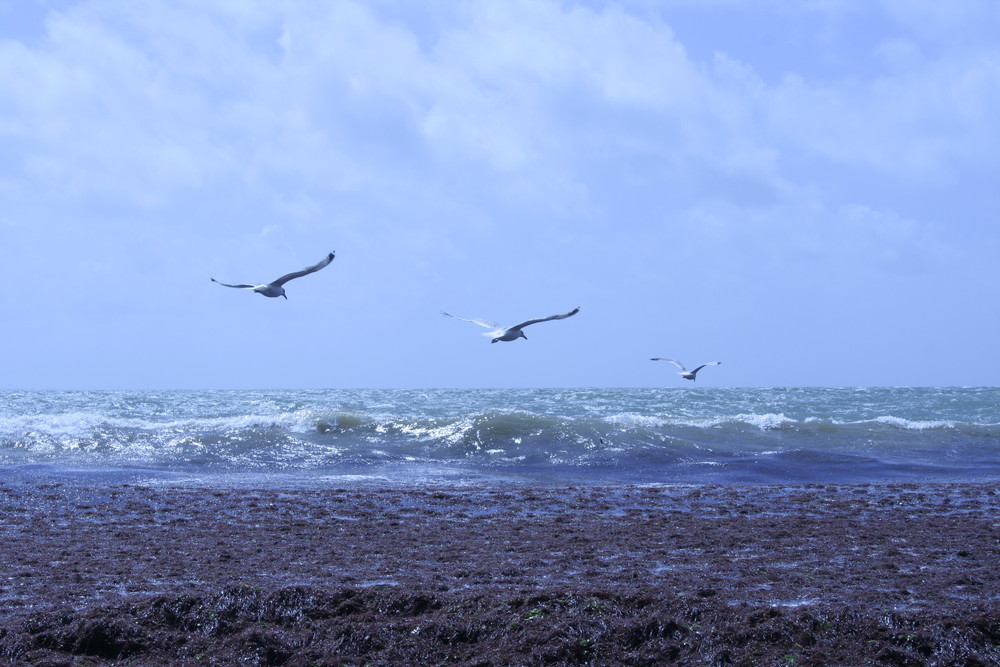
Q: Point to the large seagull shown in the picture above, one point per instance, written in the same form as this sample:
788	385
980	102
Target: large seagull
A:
276	288
499	333
683	372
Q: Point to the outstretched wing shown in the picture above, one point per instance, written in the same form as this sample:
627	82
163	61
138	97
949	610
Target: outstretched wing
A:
675	363
546	319
239	286
304	272
482	323
710	363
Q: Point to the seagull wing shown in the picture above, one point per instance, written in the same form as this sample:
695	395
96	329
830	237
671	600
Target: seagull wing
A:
675	363
228	285
482	323
304	272
710	363
546	319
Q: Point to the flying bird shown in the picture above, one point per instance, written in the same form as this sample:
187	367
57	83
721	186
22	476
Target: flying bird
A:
685	373
499	333
276	288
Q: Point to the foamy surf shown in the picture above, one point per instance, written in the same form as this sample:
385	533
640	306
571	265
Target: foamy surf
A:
713	435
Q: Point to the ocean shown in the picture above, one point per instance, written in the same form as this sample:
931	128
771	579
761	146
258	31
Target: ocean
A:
686	435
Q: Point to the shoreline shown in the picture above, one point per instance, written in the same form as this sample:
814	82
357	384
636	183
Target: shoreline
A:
625	574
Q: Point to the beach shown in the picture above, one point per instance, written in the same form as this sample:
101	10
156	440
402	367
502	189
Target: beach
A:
120	572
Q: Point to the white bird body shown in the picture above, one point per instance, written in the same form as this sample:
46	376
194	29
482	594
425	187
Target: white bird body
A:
269	289
498	333
276	288
683	372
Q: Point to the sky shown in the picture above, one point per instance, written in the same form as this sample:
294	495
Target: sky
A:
805	190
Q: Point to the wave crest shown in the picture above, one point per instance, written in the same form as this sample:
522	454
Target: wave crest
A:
607	431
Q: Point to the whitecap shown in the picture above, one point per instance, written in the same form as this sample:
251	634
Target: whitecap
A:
913	425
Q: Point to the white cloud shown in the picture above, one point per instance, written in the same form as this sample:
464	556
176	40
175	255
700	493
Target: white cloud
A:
565	111
591	148
914	125
171	98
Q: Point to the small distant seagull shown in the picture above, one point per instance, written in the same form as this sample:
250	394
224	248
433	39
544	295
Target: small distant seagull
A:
500	333
685	373
275	288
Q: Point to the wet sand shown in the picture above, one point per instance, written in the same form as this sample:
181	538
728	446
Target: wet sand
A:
113	573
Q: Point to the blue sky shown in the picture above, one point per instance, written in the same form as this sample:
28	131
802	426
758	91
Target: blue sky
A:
805	190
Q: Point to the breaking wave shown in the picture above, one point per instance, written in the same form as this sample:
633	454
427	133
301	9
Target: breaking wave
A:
611	433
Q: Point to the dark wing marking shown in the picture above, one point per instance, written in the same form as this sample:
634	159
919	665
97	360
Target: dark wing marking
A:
304	272
710	363
546	319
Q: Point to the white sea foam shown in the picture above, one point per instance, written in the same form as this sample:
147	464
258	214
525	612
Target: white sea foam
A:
764	421
82	423
450	432
914	424
627	420
638	433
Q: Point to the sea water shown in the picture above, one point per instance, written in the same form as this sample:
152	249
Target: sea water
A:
684	435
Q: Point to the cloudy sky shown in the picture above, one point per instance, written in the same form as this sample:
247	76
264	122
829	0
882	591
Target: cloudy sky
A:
806	190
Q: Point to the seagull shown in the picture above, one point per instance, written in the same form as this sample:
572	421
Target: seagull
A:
276	288
685	373
500	333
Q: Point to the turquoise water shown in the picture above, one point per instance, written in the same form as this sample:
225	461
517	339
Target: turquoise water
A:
688	435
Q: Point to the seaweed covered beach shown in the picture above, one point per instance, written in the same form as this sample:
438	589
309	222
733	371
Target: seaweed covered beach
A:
105	572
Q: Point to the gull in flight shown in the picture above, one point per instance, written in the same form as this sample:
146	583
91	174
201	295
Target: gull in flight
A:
500	333
685	373
276	288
